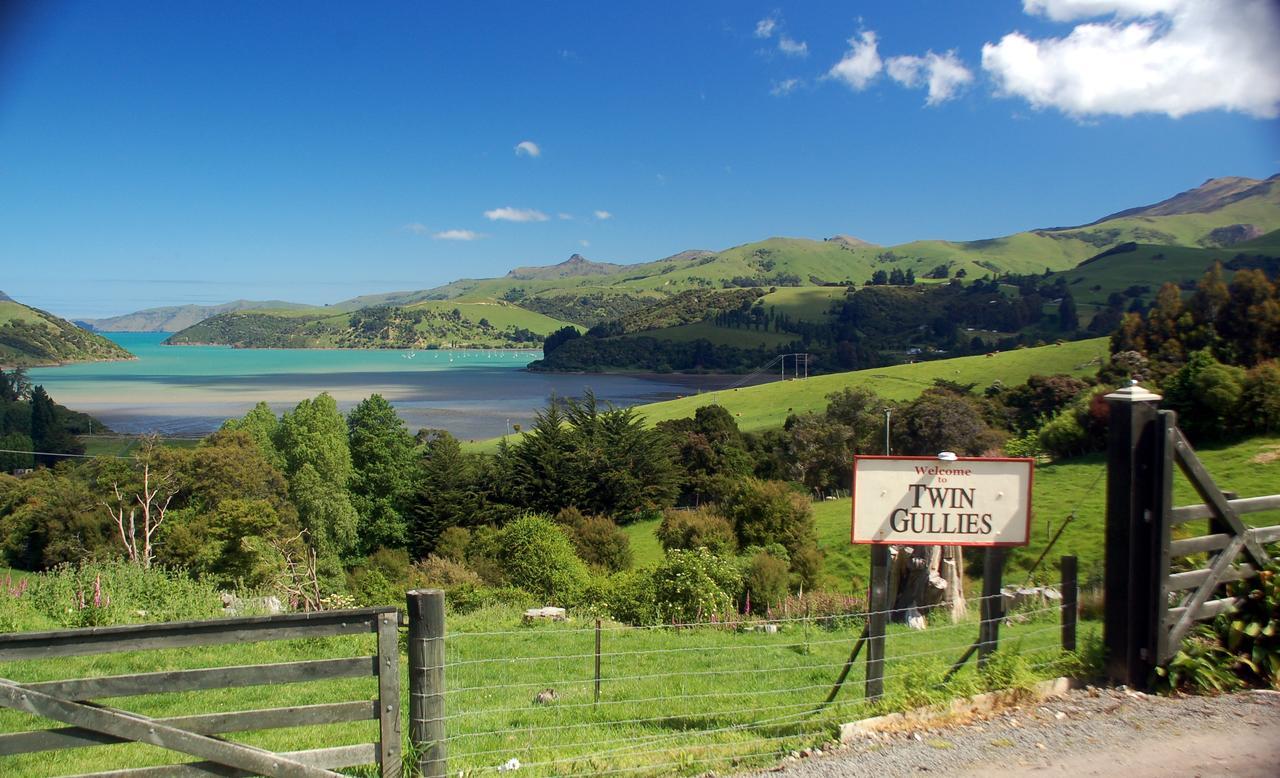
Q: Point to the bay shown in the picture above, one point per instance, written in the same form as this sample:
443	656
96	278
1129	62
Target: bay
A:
191	390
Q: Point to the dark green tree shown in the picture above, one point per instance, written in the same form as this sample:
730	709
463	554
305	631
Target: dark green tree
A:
384	471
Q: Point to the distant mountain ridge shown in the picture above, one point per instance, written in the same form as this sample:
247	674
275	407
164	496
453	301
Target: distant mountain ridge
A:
172	318
576	265
1221	212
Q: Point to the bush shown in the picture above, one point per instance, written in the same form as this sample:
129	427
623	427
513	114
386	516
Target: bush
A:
694	586
627	597
765	580
436	572
466	598
697	528
600	542
764	512
539	558
452	544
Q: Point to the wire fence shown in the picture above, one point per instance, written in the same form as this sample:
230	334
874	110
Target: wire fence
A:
690	698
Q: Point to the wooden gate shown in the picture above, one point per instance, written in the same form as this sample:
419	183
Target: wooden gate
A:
1150	608
70	702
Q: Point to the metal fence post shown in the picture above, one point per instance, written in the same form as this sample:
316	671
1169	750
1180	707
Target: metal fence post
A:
1070	602
1132	484
426	681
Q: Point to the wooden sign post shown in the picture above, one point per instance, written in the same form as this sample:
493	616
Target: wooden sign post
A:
937	501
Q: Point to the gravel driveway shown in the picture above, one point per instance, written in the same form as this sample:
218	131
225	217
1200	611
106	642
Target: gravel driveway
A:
1091	732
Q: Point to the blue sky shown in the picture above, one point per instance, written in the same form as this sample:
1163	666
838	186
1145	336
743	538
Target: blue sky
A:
165	153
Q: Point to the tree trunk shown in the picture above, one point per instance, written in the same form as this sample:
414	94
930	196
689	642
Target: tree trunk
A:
925	578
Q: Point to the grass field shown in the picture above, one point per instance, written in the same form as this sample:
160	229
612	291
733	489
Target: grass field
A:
672	701
767	405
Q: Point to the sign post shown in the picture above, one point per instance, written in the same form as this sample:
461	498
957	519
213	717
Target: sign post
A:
938	501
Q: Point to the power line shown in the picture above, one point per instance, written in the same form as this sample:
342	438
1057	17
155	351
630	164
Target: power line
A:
57	454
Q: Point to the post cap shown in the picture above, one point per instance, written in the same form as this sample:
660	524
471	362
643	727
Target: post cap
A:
1133	393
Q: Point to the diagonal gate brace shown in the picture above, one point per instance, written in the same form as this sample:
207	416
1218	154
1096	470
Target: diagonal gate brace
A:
140	729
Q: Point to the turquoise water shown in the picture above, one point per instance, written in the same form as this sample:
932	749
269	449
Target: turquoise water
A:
181	390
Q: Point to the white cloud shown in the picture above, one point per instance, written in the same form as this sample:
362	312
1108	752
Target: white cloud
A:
416	228
509	214
1070	10
584	243
603	215
766	26
1174	57
564	217
861	64
458	235
785	87
792	48
528	148
944	74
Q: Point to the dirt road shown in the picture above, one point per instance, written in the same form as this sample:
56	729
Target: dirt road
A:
1097	732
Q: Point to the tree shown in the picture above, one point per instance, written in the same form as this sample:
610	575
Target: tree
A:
941	421
1250	320
313	442
447	494
147	505
1068	318
14	385
384	470
262	425
558	338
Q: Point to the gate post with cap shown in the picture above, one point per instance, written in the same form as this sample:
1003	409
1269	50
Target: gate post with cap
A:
426	681
1132	534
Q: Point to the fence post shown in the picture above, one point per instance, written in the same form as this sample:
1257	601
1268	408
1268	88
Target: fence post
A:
426	680
877	621
1070	602
992	609
1133	473
597	660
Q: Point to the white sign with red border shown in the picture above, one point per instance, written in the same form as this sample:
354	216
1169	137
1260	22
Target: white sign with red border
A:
968	501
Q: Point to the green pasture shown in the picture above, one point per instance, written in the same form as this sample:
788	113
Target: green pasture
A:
768	405
672	701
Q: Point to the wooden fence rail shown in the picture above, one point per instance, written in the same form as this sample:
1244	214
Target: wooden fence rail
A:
70	701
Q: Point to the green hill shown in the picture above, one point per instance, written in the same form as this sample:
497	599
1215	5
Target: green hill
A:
31	337
767	406
178	317
1192	227
429	324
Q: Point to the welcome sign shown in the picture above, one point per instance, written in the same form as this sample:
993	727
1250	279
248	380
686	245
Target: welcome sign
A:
969	501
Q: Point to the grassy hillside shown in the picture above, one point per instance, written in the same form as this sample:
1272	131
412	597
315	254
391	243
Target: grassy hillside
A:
760	407
429	324
768	405
31	337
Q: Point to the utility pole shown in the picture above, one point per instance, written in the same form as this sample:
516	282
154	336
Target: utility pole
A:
887	413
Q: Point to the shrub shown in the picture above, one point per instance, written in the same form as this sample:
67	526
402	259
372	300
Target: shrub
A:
765	578
1252	631
452	544
441	573
697	528
764	512
627	597
693	586
466	598
601	543
1261	398
539	558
